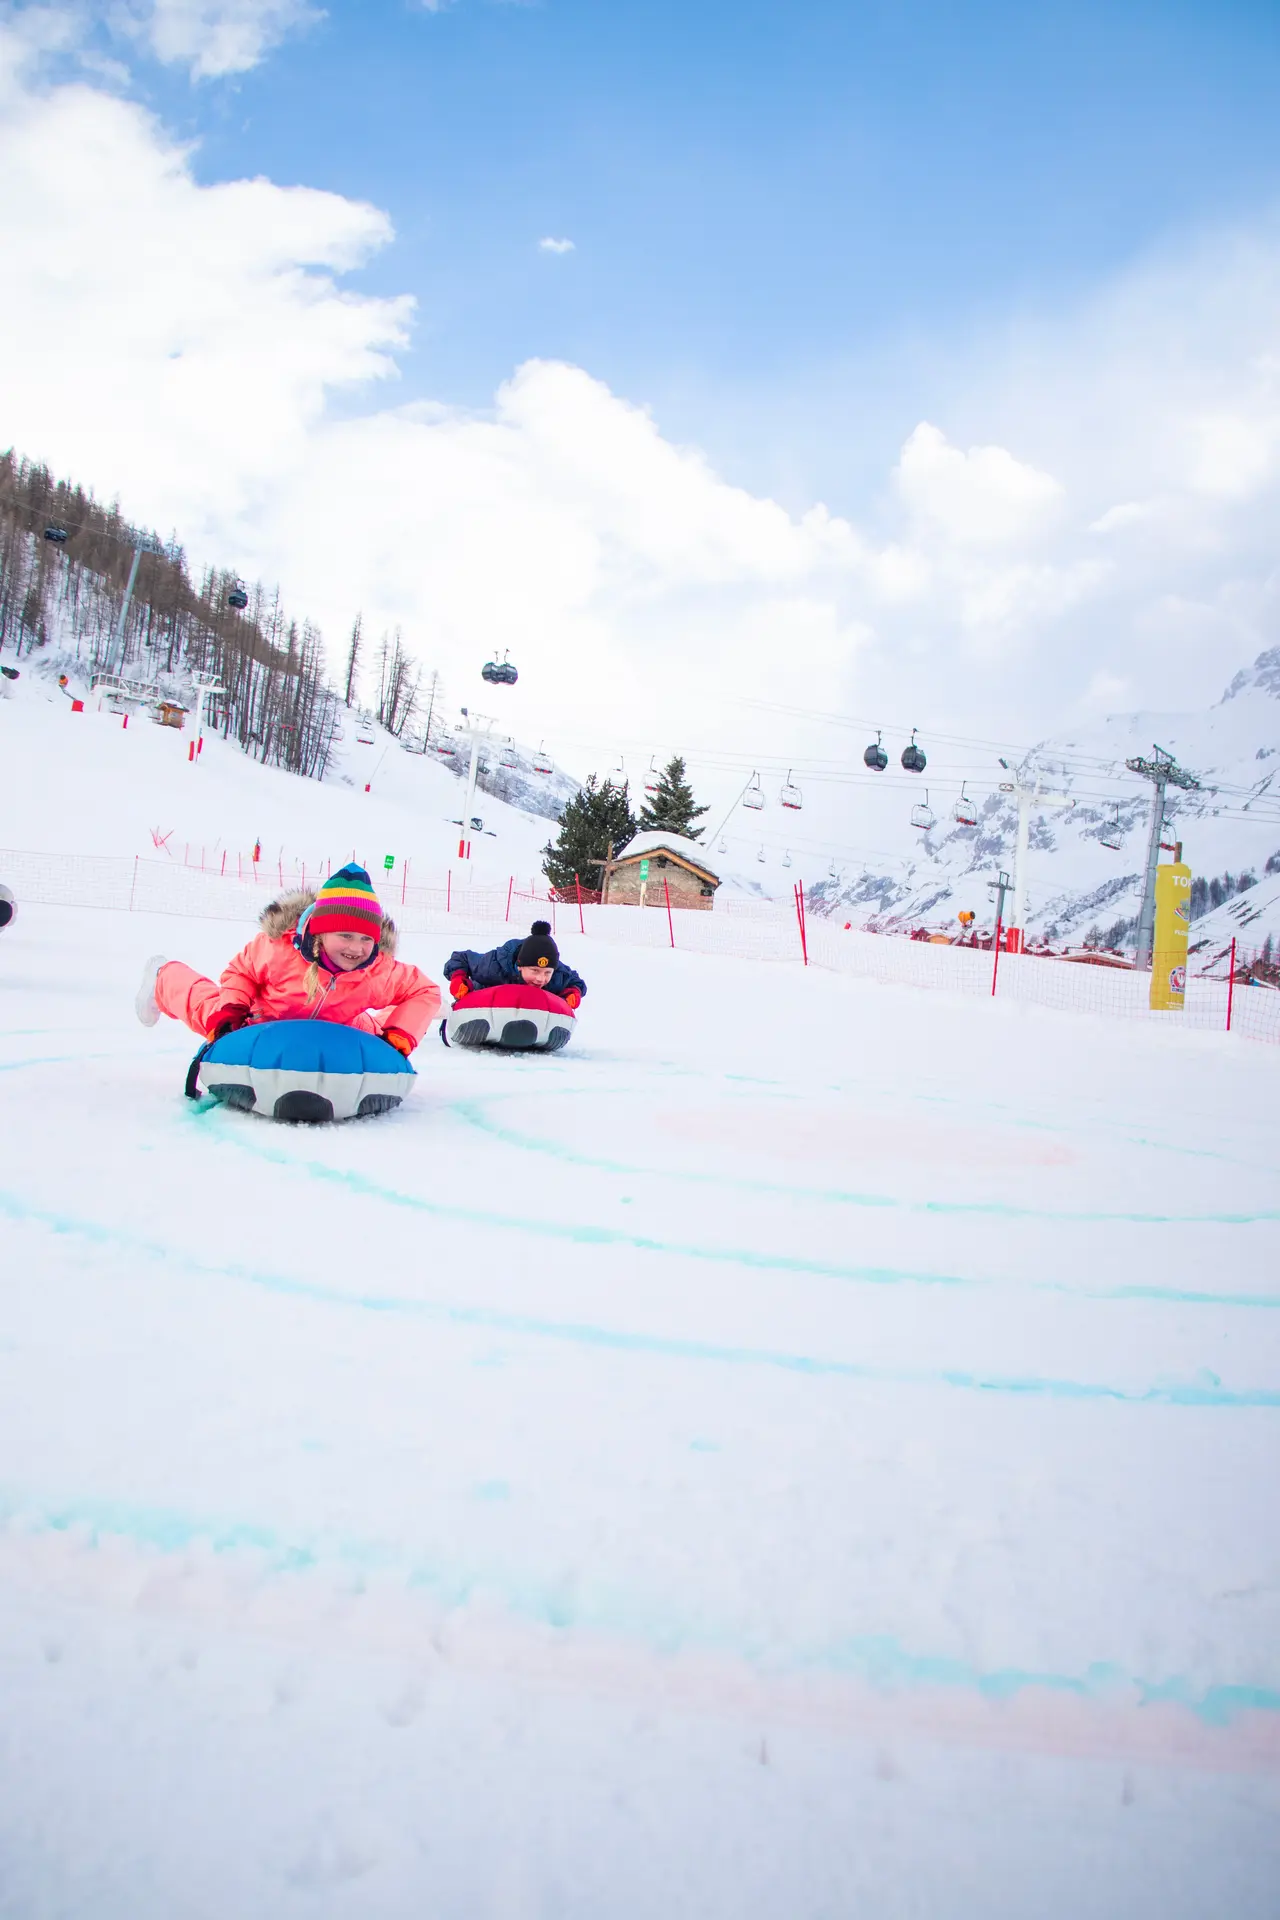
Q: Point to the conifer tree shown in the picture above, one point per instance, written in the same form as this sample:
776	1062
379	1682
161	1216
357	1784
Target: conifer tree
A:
671	808
597	818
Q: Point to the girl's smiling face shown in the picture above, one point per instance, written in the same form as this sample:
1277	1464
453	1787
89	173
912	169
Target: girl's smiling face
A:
346	951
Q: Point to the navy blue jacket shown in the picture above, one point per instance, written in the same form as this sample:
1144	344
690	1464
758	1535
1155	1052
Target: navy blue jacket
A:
499	969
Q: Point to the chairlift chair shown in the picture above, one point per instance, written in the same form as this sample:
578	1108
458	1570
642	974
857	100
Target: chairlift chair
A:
507	758
1111	835
833	871
754	795
791	795
58	535
922	816
722	846
445	749
964	813
652	784
760	857
875	757
541	762
913	758
786	858
237	597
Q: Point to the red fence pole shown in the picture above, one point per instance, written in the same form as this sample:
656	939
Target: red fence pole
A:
448	891
1231	983
799	900
510	884
581	924
670	922
996	968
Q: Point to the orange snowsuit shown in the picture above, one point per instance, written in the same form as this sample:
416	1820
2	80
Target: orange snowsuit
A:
267	980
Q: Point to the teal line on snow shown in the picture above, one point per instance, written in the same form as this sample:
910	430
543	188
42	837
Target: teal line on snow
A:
584	1235
1205	1391
472	1112
880	1660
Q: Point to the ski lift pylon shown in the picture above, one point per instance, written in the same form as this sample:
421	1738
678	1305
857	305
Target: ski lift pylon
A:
875	757
913	757
791	795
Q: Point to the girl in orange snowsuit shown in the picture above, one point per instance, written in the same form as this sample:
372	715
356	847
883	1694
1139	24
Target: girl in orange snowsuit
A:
325	956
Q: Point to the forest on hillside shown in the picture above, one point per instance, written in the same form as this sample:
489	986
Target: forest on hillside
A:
65	565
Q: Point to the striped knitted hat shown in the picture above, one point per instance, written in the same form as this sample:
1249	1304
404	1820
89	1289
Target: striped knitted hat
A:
346	903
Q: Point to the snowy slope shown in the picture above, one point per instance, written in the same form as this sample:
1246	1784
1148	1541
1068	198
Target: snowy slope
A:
807	1450
85	783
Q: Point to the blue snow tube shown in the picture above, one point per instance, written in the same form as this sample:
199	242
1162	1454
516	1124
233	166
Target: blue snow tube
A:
303	1070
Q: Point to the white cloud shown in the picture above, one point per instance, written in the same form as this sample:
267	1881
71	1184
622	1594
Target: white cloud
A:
212	37
556	246
984	497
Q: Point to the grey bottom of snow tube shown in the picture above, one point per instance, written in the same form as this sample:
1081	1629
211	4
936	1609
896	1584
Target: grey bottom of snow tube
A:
518	1033
472	1033
301	1107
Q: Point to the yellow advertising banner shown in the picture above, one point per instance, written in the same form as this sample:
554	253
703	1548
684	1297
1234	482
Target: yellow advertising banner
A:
1173	926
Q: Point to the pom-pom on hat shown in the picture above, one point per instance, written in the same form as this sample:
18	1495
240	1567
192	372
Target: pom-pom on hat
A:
539	950
346	903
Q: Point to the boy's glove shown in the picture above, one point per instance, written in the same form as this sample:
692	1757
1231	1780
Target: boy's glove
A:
458	985
572	999
227	1021
400	1041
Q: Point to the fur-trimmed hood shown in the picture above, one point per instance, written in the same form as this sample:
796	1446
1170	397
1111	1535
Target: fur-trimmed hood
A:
283	915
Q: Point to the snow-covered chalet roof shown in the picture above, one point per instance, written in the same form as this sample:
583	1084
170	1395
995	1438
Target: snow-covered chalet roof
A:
674	843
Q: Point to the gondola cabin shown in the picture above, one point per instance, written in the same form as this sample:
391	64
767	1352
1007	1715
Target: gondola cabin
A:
673	868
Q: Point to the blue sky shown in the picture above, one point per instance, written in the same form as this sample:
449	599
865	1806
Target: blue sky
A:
913	360
766	199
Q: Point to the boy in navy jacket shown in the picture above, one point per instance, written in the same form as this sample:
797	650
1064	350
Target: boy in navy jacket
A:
535	961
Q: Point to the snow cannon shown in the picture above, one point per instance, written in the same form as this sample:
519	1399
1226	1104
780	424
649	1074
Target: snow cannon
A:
518	1019
8	906
307	1070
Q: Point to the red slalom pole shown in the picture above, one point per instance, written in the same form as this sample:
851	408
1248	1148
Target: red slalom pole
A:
1231	983
510	884
448	891
671	929
996	968
581	924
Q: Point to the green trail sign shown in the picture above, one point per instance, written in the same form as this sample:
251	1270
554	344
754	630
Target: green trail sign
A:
388	861
644	869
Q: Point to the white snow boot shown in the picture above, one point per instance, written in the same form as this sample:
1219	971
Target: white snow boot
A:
144	1004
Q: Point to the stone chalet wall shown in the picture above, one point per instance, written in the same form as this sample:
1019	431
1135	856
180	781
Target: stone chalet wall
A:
685	887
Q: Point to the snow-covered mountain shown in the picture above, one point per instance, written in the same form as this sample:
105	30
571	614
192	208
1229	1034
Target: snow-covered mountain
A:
1229	827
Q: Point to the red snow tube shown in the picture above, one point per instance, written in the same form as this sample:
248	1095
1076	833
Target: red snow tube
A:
519	1018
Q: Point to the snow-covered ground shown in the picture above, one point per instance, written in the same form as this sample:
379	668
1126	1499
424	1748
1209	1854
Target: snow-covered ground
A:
807	1450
